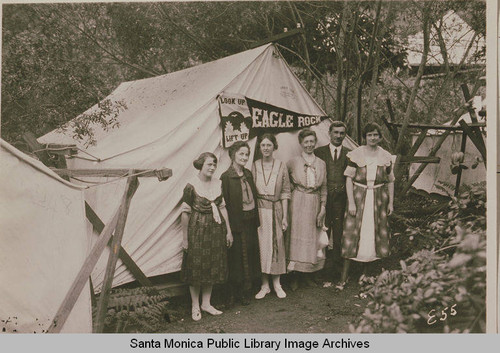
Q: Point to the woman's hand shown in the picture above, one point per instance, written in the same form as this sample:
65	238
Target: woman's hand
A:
390	209
352	209
320	219
284	223
184	244
229	239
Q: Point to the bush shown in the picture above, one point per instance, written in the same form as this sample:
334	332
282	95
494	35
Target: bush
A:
416	231
441	290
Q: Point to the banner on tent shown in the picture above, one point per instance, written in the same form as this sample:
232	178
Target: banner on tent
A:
243	118
269	118
235	119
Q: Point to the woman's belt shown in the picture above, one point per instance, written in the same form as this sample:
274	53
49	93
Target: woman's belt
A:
269	198
214	210
307	190
369	187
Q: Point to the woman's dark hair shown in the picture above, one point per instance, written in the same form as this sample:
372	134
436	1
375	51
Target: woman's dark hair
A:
271	138
370	127
235	148
307	132
198	162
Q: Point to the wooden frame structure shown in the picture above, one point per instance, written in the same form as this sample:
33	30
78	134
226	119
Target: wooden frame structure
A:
472	131
110	234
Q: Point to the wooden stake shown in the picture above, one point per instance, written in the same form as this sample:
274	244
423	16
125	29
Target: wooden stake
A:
102	307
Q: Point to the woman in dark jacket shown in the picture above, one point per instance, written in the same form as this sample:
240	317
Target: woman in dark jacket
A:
240	195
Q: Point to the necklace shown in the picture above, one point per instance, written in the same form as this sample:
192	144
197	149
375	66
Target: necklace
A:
264	173
309	159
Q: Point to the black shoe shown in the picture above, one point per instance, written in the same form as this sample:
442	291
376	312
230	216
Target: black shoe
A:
309	282
245	297
294	284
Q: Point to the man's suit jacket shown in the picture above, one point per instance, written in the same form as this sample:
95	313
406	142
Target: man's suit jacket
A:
337	197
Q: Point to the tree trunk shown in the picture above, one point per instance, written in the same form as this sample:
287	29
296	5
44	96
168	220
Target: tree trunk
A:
411	100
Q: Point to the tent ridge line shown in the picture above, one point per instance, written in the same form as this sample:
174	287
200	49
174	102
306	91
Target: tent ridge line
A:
209	101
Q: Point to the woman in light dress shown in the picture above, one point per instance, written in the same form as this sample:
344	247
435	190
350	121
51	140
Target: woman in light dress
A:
273	191
370	195
307	210
206	235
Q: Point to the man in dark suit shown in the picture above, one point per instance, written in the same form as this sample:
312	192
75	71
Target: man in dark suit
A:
334	155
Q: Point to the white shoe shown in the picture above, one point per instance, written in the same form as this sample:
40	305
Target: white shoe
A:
263	292
211	310
196	314
280	293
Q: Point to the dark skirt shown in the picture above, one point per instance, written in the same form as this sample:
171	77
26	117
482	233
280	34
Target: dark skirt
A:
205	261
243	256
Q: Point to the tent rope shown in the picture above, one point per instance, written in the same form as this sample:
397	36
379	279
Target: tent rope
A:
47	148
126	175
96	158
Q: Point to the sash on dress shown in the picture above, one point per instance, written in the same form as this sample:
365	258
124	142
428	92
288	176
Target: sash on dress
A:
275	239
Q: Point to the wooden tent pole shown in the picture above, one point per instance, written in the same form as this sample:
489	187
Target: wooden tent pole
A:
418	143
122	255
83	276
475	129
477	141
93	300
102	307
459	173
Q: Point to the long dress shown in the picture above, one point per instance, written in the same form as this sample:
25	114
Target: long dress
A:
243	256
366	235
273	185
309	191
205	261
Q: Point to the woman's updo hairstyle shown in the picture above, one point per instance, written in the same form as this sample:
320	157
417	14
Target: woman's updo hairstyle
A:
307	132
271	138
235	147
198	162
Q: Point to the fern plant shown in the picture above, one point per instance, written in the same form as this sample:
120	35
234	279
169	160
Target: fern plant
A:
142	309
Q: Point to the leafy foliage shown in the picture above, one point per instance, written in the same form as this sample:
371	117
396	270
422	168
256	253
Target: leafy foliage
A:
105	115
142	309
60	59
420	295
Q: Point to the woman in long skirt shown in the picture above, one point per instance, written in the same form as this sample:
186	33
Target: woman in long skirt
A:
273	188
370	195
240	195
307	210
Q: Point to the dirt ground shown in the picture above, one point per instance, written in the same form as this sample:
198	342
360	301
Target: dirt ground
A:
307	310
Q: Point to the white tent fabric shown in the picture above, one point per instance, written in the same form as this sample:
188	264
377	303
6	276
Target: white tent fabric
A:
43	244
170	120
434	174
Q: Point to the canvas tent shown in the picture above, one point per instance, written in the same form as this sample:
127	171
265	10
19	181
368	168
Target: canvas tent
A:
44	242
434	174
169	121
